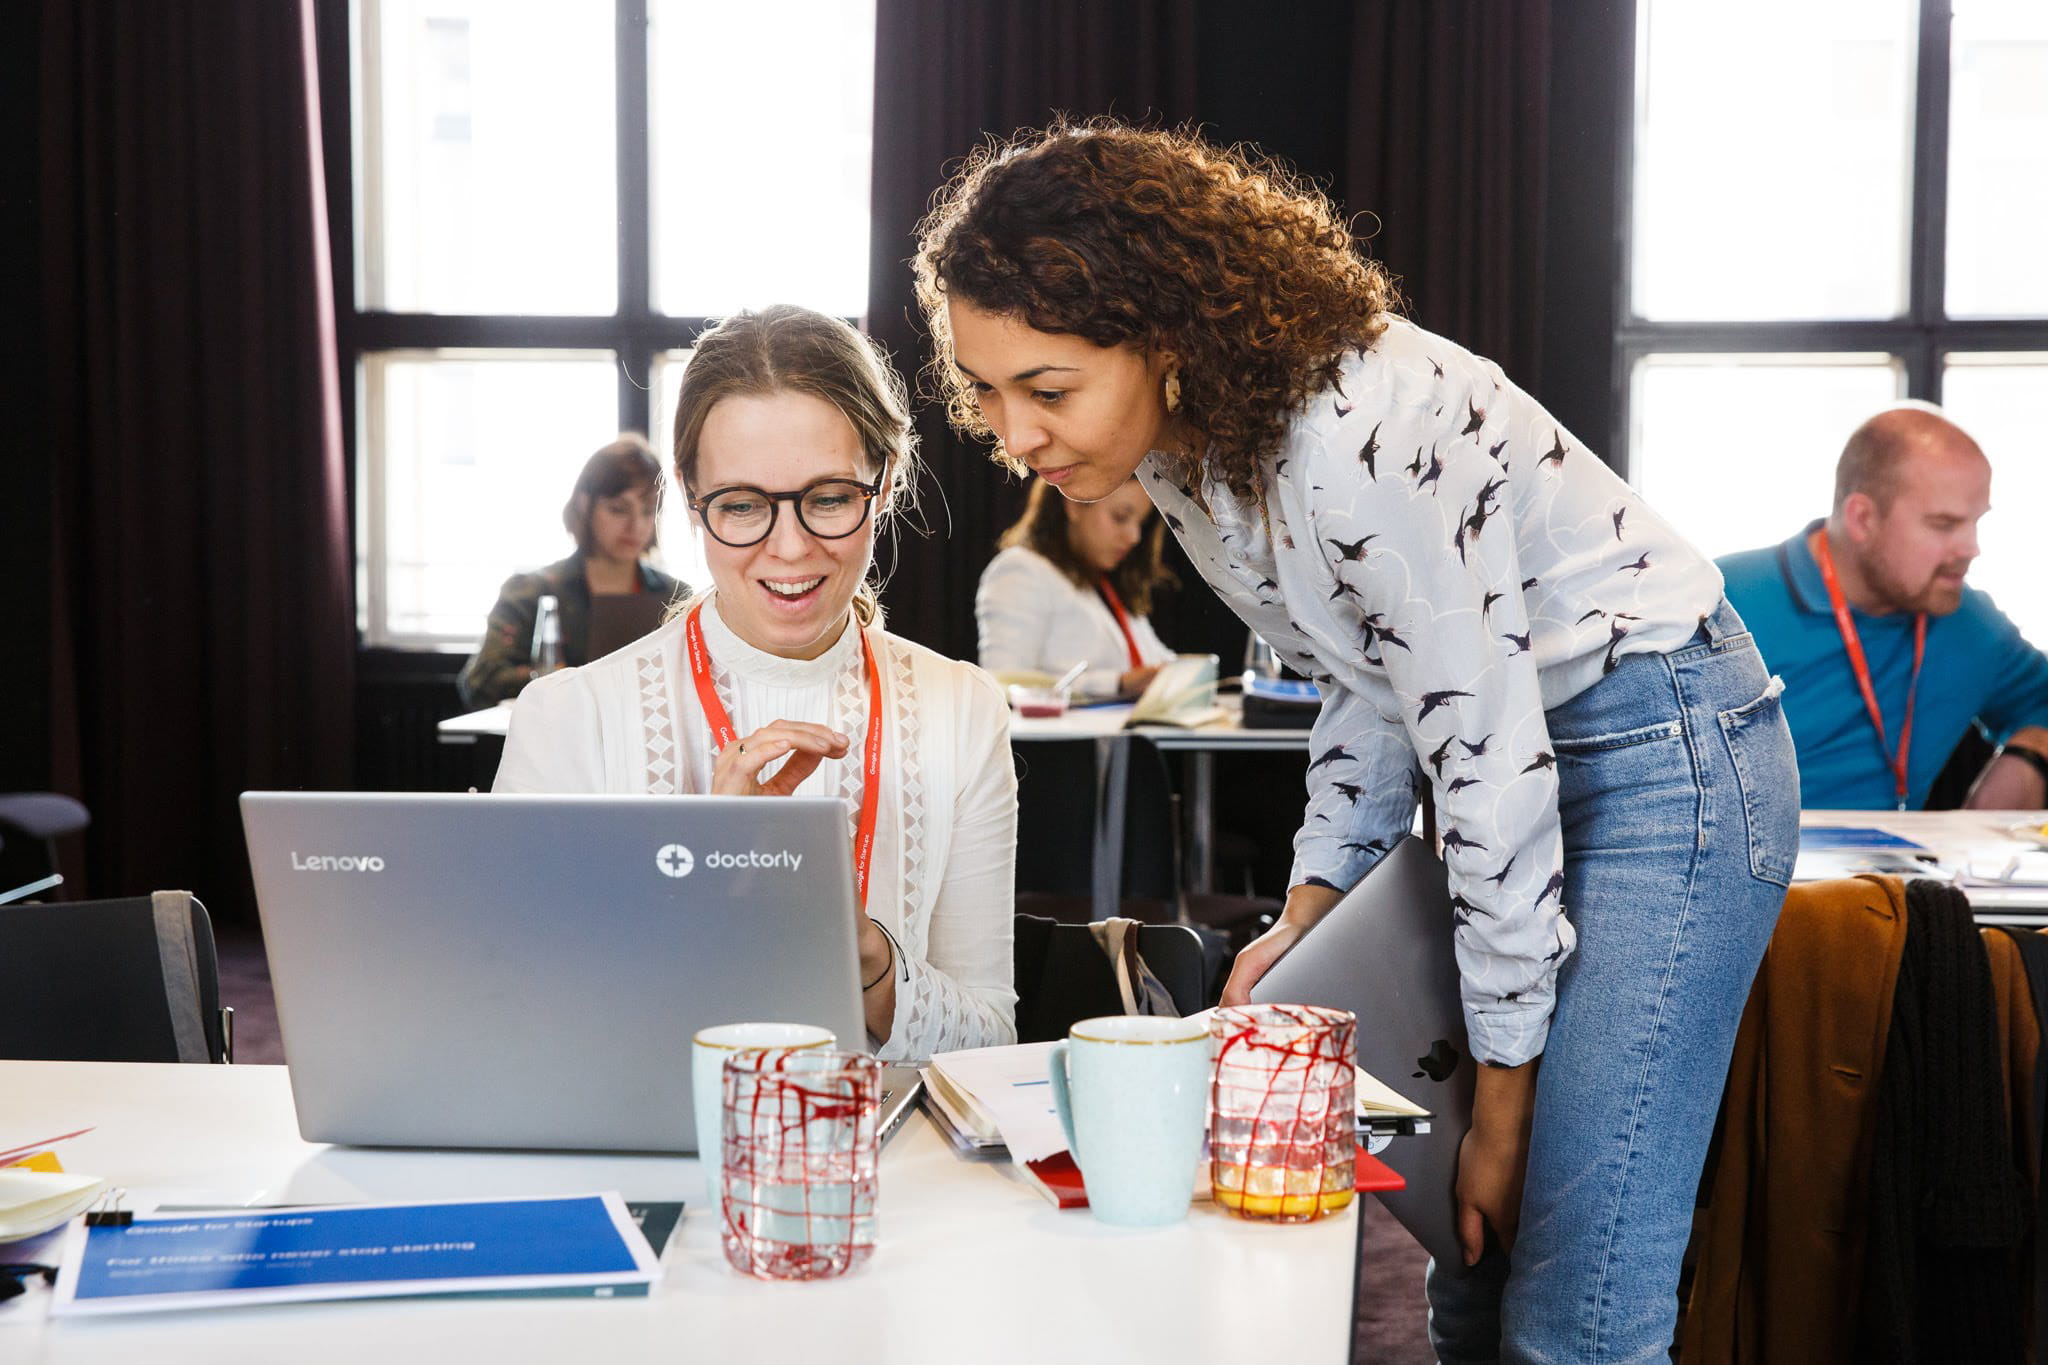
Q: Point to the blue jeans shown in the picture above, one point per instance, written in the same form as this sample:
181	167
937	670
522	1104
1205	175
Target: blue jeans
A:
1680	802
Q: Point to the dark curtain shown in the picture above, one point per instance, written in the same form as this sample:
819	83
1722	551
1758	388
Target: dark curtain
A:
1448	131
1435	121
948	73
204	636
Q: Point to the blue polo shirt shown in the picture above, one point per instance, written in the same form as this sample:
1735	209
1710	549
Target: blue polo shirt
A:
1978	667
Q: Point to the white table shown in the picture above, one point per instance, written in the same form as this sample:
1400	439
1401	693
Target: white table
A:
492	722
1105	726
970	1264
1951	835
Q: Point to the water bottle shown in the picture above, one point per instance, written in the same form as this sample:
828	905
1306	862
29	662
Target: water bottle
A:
547	636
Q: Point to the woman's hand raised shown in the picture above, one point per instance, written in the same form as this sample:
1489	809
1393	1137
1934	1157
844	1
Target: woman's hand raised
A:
738	770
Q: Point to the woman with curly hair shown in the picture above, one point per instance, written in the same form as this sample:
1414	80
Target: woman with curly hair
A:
1485	606
1073	583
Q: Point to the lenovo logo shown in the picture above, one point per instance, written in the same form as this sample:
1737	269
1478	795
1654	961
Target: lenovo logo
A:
331	862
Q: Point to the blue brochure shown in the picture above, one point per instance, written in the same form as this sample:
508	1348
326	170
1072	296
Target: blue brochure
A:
1835	837
354	1251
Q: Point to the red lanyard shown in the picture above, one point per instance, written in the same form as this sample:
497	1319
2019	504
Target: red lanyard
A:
1123	621
723	734
1818	543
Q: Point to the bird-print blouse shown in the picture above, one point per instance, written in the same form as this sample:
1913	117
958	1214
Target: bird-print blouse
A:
1447	563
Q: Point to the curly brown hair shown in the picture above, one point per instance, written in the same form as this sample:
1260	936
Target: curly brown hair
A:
1043	528
1218	256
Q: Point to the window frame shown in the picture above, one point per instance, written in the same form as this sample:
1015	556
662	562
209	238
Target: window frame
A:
634	333
1922	338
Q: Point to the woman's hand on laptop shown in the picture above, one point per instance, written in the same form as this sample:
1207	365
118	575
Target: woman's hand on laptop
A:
1306	904
738	769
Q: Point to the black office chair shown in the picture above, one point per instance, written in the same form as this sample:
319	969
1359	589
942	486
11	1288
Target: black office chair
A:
31	823
1063	976
132	980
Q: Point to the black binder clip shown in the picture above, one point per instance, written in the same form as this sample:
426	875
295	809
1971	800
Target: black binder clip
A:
106	1211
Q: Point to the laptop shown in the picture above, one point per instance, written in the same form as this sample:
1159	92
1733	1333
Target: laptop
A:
527	971
617	619
1385	953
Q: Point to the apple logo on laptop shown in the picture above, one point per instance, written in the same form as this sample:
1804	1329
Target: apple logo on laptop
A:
1439	1062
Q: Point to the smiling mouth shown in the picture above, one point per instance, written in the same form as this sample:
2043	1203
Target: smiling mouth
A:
792	589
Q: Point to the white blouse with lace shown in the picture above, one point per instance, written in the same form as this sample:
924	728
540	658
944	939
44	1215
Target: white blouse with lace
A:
943	877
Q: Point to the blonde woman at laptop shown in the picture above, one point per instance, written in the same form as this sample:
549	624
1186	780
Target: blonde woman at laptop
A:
792	442
1073	583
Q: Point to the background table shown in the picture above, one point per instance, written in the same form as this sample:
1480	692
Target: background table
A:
1104	725
1950	836
970	1265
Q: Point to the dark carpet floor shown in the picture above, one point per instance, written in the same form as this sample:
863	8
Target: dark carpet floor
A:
1390	1329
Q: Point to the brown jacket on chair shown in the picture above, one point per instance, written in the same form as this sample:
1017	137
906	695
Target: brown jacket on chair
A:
1780	1235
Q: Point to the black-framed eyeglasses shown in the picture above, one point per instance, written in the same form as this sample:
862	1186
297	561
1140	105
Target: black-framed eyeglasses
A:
740	515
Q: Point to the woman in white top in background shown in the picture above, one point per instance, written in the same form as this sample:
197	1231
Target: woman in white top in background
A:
792	442
1072	584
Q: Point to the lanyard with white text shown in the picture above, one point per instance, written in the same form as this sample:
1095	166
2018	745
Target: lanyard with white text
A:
1818	542
1123	622
723	734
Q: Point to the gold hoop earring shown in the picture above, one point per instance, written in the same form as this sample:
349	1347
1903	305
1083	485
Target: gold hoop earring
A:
1173	390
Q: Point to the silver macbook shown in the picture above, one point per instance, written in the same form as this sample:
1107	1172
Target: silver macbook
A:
1385	953
527	971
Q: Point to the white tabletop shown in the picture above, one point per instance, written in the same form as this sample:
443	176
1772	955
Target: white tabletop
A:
970	1265
1951	836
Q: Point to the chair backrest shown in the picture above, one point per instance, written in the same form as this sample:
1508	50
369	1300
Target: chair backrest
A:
131	980
1063	976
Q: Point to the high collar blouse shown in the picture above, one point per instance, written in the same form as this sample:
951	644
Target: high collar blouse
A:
943	877
1447	563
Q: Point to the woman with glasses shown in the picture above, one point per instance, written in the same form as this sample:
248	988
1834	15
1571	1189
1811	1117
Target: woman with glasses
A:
1073	583
792	442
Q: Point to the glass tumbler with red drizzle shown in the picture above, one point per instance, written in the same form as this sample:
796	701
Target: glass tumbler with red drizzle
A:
797	1196
1283	1135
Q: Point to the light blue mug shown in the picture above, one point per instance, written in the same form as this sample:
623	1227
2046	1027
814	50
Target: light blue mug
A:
1132	1092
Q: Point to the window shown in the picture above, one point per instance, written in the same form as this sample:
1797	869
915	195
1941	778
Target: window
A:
551	199
1833	204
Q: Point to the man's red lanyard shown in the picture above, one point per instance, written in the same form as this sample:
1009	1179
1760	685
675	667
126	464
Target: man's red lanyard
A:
1818	542
1123	621
723	734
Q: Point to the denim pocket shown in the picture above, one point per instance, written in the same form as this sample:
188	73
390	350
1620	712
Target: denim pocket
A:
1617	739
1760	746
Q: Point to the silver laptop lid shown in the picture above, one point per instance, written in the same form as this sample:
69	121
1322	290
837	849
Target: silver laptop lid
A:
527	971
1386	954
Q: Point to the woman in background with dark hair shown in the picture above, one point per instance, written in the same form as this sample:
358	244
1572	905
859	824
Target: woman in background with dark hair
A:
611	514
1073	584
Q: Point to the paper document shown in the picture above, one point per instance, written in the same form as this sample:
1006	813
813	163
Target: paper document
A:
207	1260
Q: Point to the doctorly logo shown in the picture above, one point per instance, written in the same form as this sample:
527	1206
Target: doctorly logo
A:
1439	1062
676	861
336	862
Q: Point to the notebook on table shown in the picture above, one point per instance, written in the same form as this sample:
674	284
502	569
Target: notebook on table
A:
527	971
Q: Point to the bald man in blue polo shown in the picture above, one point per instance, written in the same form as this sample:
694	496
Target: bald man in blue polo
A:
1866	617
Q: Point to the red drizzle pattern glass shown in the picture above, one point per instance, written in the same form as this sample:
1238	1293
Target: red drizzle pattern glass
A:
797	1196
1283	1132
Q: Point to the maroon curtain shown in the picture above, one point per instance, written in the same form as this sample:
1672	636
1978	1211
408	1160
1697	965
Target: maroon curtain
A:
203	623
947	74
1448	131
